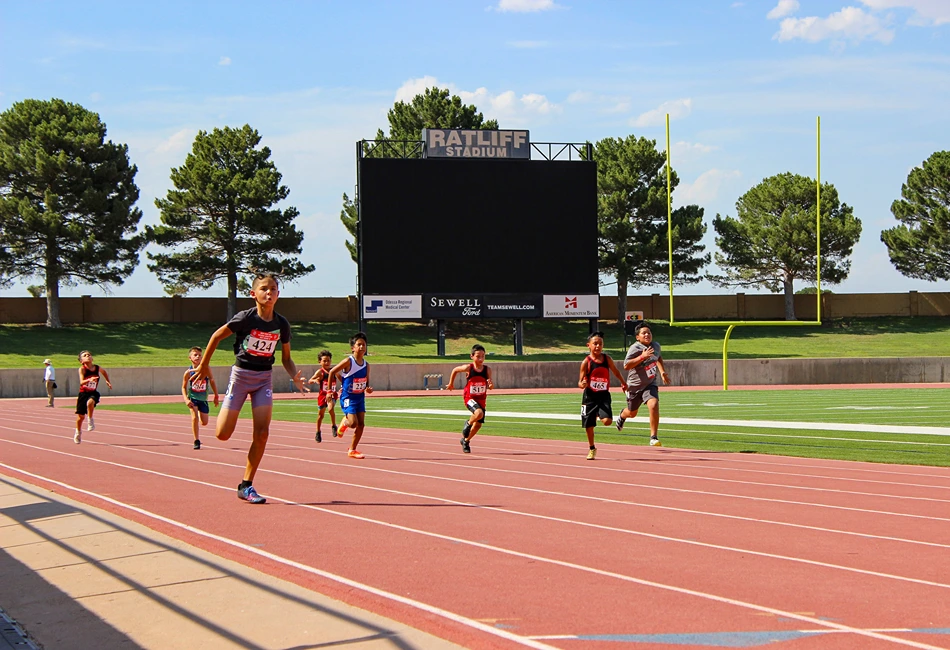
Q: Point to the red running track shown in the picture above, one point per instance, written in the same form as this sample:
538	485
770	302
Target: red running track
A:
524	543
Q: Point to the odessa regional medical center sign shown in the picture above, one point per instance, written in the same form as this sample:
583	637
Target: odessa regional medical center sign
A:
476	143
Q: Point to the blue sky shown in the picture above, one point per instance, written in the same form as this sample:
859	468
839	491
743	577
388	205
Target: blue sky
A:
743	82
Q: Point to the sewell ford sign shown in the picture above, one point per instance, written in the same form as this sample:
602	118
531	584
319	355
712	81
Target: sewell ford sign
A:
477	306
572	306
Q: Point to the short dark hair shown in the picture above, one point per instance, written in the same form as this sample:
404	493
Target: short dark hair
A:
478	347
643	325
595	334
263	276
82	353
193	349
324	353
356	337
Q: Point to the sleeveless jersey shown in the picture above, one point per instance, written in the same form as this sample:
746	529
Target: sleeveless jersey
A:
198	390
325	387
598	379
476	384
354	381
86	374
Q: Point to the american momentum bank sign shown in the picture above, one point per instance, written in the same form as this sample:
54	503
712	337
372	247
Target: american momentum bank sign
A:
476	143
476	306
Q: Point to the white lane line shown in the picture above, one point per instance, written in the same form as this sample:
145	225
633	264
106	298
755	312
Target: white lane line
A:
575	522
824	624
760	424
431	609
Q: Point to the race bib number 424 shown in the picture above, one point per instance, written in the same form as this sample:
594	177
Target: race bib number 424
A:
262	344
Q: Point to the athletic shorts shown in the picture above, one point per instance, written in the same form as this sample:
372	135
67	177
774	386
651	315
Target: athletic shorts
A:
325	397
593	411
473	406
256	383
82	401
201	405
352	405
641	395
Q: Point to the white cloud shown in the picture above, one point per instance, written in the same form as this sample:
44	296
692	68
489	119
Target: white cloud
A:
177	143
414	87
706	187
579	97
686	152
225	60
851	23
505	105
736	5
926	12
677	108
782	9
525	6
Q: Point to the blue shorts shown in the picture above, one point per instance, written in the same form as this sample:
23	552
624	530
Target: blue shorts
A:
201	405
353	404
256	383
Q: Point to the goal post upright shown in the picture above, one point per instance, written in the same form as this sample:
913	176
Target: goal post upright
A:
730	325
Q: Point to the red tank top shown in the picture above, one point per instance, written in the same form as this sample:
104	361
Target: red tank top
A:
598	375
86	374
476	384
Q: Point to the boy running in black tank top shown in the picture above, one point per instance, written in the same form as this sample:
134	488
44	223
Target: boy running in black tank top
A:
258	332
477	384
595	380
89	374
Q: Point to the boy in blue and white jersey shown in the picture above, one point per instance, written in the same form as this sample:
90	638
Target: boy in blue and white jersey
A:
354	370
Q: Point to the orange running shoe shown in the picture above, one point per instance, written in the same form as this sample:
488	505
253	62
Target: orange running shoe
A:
352	453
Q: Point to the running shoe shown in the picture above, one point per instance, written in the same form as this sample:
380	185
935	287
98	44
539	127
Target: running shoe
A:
352	453
91	425
592	454
77	436
333	428
655	442
319	436
466	446
620	422
342	430
197	444
250	495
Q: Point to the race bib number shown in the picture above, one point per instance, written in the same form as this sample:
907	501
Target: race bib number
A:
478	389
598	385
262	344
359	385
326	387
92	383
650	370
199	385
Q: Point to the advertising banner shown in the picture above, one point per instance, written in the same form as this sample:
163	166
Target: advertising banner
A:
571	306
392	307
476	306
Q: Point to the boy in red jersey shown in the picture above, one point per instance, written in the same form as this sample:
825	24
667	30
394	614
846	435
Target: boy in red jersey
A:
595	380
326	398
89	374
477	384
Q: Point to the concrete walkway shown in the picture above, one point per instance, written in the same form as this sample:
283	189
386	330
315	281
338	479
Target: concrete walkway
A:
74	576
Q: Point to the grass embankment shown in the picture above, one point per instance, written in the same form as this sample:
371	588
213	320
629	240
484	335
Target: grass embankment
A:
143	344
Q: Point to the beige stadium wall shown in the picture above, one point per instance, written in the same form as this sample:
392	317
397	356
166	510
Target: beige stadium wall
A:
526	374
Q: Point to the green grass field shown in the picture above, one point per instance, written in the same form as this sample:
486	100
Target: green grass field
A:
819	411
129	345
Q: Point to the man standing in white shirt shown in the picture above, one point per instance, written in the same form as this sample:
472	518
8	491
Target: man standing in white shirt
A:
50	378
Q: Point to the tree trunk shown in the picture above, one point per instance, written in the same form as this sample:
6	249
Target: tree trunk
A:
52	304
232	294
789	300
621	300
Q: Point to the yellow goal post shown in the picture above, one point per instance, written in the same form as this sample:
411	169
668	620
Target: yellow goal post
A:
730	325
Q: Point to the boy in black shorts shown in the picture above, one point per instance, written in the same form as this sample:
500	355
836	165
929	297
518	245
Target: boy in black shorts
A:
89	374
477	384
644	362
595	380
